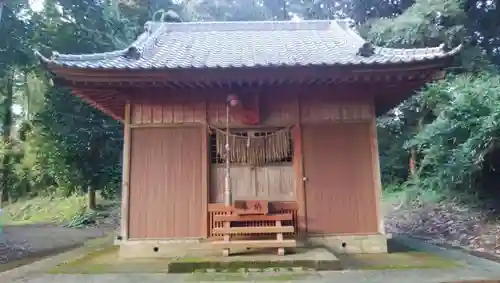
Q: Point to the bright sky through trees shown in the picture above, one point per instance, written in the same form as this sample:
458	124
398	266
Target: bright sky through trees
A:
36	5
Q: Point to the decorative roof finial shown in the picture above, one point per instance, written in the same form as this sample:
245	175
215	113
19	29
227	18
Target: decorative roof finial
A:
133	53
166	16
444	47
55	55
366	50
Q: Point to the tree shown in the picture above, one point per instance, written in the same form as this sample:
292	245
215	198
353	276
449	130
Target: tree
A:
1	8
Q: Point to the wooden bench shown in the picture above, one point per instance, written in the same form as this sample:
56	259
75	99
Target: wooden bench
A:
277	229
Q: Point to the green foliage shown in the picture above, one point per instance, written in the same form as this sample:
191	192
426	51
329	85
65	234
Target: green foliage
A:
85	218
15	51
426	23
456	143
394	160
88	143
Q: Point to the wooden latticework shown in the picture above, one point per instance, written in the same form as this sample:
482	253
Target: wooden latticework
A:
274	208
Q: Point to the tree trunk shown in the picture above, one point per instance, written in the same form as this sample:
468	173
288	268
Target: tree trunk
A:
27	98
92	205
7	129
413	152
413	163
1	8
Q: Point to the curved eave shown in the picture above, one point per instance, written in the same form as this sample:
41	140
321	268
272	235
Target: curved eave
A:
73	64
248	74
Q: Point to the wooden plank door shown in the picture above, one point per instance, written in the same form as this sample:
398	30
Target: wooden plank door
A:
166	191
275	182
340	195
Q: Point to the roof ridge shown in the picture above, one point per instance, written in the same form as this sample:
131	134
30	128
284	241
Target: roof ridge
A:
242	25
85	57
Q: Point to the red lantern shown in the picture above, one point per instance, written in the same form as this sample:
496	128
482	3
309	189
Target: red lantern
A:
233	100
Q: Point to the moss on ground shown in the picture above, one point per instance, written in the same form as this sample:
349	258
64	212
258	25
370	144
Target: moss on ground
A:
90	246
107	261
396	261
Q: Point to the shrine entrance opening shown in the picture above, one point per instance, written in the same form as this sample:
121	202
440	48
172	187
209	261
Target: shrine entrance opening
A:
260	164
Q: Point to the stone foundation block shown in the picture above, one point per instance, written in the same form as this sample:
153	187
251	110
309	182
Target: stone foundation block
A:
351	244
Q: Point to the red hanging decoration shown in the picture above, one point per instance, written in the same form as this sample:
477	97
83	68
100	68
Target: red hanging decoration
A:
246	110
233	100
250	117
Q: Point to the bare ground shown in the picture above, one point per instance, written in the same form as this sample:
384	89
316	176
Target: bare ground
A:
447	222
20	242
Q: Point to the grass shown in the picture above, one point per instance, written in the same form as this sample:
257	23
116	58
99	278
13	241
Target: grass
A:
42	210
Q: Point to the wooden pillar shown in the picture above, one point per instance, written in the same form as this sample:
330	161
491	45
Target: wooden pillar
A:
298	163
377	182
205	162
125	174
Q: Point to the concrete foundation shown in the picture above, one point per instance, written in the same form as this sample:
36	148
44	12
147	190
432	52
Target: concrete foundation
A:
161	248
190	255
340	244
351	244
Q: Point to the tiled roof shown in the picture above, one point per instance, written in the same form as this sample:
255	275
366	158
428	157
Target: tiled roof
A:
247	44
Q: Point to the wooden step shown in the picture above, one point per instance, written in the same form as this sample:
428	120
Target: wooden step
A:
272	217
255	230
256	244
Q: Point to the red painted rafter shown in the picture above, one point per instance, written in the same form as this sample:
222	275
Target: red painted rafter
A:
105	102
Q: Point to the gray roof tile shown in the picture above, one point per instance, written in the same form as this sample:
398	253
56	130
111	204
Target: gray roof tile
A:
245	44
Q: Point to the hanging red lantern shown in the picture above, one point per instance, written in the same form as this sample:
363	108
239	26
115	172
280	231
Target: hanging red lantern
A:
233	100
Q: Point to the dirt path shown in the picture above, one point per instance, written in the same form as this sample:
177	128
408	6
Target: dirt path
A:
19	242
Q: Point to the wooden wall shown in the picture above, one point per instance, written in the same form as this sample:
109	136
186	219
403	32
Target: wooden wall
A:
276	109
166	189
172	179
